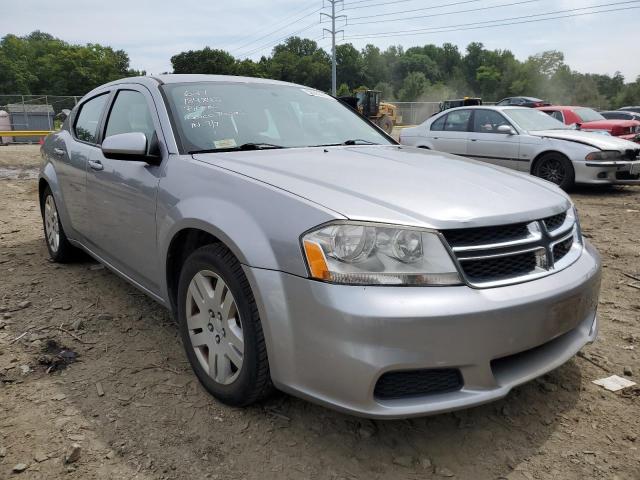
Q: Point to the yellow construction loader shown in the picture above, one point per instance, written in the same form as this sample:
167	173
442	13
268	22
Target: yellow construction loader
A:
368	104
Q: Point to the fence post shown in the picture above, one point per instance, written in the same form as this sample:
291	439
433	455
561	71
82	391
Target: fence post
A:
46	102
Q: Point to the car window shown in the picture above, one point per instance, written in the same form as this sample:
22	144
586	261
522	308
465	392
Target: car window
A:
438	125
588	115
615	116
503	102
488	121
86	128
130	113
516	101
557	115
457	121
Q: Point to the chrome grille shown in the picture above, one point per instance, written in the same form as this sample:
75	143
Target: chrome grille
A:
482	269
485	235
560	249
504	254
556	221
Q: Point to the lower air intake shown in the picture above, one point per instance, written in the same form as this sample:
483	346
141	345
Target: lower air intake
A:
416	383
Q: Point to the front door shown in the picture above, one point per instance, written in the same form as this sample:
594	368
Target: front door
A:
487	144
121	194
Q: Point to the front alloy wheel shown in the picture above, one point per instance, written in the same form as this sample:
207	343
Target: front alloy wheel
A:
556	169
221	328
215	327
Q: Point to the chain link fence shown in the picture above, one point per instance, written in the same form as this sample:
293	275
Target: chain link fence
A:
32	112
414	113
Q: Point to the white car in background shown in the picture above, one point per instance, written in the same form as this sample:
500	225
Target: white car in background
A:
530	141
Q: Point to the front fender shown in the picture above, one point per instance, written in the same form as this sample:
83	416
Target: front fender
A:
260	224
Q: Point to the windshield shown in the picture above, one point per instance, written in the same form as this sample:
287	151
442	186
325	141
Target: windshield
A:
229	115
530	119
588	115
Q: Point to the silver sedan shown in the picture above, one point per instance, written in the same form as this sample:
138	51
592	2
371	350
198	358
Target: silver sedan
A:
299	247
530	141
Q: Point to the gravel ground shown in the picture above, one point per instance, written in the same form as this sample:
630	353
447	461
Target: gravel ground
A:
93	372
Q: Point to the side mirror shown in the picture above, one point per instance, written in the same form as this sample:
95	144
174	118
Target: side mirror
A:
127	146
63	115
507	130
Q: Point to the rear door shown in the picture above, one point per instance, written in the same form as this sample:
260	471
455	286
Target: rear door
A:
450	132
71	159
489	145
121	194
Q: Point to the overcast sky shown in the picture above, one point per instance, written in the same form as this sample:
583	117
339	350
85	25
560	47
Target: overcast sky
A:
151	31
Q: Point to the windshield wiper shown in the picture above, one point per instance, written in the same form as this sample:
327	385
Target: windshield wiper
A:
244	146
359	141
356	141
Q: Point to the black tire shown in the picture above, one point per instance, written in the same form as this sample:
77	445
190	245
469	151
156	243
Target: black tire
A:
386	124
63	251
555	168
253	382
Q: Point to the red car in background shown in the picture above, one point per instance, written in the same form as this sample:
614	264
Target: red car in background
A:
590	120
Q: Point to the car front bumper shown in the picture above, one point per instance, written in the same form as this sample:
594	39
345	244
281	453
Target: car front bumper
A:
331	343
620	172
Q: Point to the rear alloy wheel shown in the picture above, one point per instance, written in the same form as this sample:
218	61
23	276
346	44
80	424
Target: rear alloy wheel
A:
220	327
60	249
557	169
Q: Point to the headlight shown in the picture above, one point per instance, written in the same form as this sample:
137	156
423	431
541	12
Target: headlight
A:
604	155
360	253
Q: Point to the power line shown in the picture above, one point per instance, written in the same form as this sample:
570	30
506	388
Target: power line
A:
435	14
478	25
276	31
403	1
275	42
260	30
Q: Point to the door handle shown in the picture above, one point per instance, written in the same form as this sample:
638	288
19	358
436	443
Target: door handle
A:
96	165
473	139
58	151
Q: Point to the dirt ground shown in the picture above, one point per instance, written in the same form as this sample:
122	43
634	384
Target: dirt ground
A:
130	404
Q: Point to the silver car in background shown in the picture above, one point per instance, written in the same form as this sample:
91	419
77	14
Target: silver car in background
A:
530	141
300	247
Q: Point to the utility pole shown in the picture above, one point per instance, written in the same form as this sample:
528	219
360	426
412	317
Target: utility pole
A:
333	33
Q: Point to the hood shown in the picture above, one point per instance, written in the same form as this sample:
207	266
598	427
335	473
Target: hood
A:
597	140
610	124
401	185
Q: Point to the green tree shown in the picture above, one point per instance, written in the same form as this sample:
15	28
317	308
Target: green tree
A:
413	87
207	61
349	65
39	63
343	90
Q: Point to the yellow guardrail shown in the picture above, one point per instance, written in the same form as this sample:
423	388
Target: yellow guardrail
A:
25	133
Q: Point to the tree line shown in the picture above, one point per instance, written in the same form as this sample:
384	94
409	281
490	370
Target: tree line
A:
41	64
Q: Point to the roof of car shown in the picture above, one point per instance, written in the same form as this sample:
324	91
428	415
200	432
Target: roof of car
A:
526	98
560	107
487	107
196	78
171	78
